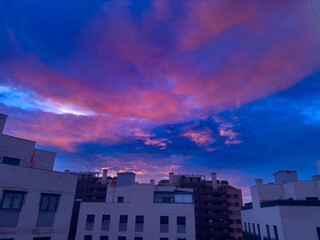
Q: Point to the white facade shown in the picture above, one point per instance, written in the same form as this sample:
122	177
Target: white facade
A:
290	208
130	200
34	202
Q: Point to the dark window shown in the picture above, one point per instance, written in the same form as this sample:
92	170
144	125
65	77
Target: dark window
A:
41	238
181	239
312	198
90	222
275	229
122	238
139	219
259	233
318	231
164	238
11	161
49	202
236	196
254	229
12	200
237	212
105	223
163	197
239	230
123	219
90	218
138	238
104	238
245	227
238	221
236	204
181	220
87	237
268	231
120	199
164	220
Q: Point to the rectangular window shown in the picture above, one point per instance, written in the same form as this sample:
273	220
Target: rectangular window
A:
122	238
245	227
139	223
12	200
275	229
120	199
254	229
318	231
312	199
164	238
259	233
249	228
164	224
268	232
236	204
163	197
41	238
236	196
238	221
49	202
138	238
183	198
181	224
105	223
104	238
123	221
90	222
11	161
87	237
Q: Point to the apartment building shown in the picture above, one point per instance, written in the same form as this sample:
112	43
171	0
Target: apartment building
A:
91	187
217	206
36	202
288	209
134	211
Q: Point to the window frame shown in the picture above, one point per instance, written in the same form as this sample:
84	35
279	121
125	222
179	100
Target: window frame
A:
47	208
12	200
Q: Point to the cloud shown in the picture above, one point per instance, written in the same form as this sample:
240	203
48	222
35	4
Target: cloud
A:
203	138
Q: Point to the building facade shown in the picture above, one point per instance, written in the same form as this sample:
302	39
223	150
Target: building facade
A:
217	206
36	202
134	211
288	209
91	187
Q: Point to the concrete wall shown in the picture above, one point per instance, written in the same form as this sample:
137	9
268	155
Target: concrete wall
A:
138	200
23	149
35	182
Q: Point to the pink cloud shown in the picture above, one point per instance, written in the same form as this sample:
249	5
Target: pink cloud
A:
203	138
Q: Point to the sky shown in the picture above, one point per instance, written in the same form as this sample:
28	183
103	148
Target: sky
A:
157	86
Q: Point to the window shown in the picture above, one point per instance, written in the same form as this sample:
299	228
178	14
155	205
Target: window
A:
183	198
123	223
139	223
254	229
49	202
259	233
138	238
245	227
268	231
318	231
164	238
104	238
239	230
87	237
90	222
238	221
237	212
122	238
164	224
311	198
163	197
11	161
12	200
41	238
181	239
105	223
181	224
236	204
275	229
120	199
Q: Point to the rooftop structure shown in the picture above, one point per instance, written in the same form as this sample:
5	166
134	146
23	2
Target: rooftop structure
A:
286	209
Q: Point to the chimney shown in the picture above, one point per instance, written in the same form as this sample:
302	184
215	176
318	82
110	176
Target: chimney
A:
104	176
258	181
318	166
171	178
214	180
152	181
